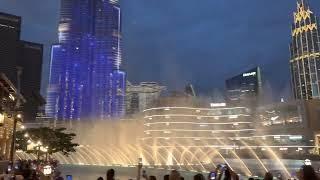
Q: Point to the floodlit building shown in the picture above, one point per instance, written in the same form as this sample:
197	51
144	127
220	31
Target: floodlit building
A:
293	124
290	128
86	81
219	126
305	53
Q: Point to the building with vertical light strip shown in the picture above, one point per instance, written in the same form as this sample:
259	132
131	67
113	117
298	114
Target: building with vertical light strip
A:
86	81
305	53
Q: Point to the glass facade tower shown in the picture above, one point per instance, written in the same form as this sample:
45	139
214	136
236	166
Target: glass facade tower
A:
245	88
85	77
305	53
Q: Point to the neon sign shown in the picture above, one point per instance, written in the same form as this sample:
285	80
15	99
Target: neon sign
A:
249	74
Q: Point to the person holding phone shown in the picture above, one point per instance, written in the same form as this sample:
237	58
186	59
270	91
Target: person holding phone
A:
212	175
69	177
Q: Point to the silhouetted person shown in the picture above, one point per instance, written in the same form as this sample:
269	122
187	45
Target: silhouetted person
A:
227	174
110	174
26	171
181	178
306	173
166	177
251	178
100	178
198	177
175	175
234	176
152	178
268	176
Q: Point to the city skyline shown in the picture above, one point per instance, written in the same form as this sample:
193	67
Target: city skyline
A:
180	54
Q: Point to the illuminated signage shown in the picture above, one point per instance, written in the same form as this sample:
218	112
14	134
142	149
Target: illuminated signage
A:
218	104
249	74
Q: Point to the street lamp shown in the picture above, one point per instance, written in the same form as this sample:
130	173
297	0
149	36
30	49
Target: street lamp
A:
19	116
26	135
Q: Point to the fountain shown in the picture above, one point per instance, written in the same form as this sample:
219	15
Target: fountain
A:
187	139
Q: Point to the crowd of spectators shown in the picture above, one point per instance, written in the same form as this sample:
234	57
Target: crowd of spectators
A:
306	172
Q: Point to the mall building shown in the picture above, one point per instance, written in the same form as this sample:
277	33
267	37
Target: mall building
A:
288	128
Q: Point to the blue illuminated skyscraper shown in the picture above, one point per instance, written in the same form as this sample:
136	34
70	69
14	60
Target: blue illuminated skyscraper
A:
85	77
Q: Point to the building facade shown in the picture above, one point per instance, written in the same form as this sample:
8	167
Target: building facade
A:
27	57
245	88
30	61
184	126
10	27
9	98
290	129
85	78
142	96
305	53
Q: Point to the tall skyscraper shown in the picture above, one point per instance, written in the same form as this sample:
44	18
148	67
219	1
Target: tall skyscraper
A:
305	53
245	88
85	77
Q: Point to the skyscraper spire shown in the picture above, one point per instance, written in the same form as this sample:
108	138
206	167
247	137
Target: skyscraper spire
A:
303	3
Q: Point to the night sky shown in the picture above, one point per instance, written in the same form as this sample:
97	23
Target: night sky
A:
175	42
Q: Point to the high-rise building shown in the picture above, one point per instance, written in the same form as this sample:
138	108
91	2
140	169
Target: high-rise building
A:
142	96
305	53
85	77
30	61
10	26
27	57
244	88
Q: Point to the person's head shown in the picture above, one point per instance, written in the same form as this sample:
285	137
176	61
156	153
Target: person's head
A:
251	178
175	175
307	172
110	174
152	178
198	177
100	178
268	176
166	177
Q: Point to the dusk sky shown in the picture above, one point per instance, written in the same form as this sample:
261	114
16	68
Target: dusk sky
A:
175	42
